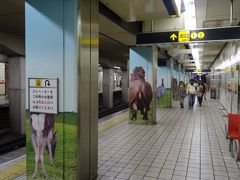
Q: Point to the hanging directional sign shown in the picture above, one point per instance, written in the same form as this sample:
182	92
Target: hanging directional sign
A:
186	36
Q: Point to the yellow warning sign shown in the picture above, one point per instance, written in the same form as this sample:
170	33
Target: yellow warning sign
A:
201	35
38	82
184	36
194	35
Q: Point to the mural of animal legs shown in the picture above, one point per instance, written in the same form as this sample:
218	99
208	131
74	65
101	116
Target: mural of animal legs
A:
49	145
42	161
134	112
36	156
38	149
134	115
36	163
145	106
145	114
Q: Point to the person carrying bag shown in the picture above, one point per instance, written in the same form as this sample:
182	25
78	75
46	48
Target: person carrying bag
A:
182	93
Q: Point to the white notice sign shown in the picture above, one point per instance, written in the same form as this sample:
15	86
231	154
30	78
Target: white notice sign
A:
43	95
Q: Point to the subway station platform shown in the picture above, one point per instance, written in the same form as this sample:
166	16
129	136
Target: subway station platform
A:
185	144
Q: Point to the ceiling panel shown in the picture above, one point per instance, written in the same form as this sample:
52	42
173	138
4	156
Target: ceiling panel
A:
110	49
137	10
12	19
110	29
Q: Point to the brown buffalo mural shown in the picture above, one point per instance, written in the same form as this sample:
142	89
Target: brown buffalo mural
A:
140	93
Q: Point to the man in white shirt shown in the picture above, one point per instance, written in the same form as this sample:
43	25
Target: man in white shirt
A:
191	91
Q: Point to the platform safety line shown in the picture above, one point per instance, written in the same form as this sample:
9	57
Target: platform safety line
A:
13	171
112	122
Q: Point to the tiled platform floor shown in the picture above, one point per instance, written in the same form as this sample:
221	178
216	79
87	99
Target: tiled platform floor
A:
9	157
185	144
13	164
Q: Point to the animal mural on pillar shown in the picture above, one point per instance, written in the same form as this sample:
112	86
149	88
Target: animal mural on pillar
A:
43	136
161	89
140	93
174	87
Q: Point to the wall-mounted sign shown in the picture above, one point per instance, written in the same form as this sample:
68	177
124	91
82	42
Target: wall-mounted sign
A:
43	95
185	36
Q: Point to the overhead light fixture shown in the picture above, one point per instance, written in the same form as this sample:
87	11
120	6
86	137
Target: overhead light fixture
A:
232	61
117	67
190	22
190	15
195	52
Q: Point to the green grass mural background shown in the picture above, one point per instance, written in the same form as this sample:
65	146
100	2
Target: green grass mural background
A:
66	150
165	100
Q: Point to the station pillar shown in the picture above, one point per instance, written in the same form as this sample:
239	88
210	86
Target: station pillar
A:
171	74
143	85
88	59
125	88
16	74
108	87
62	45
179	73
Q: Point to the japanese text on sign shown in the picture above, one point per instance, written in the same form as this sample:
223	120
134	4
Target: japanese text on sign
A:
183	36
43	97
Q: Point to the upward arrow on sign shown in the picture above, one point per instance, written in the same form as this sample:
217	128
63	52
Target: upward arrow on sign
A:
173	37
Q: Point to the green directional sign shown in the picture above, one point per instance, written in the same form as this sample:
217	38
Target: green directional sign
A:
186	36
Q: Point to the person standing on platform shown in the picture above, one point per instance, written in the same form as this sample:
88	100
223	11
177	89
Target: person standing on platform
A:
205	87
191	91
200	92
181	93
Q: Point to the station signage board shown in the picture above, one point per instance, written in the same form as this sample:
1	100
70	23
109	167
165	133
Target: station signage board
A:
187	36
43	95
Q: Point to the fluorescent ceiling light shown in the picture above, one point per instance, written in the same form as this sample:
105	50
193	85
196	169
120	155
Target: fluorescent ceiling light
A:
229	62
195	53
191	23
190	15
116	67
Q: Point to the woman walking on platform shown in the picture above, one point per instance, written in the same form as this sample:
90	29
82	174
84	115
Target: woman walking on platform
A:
191	91
200	92
181	93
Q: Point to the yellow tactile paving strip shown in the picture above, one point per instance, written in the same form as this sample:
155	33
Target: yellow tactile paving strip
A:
18	169
13	171
112	122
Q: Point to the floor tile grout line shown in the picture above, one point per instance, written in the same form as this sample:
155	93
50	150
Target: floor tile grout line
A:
137	142
210	147
171	145
218	141
159	136
208	142
195	114
186	113
200	123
